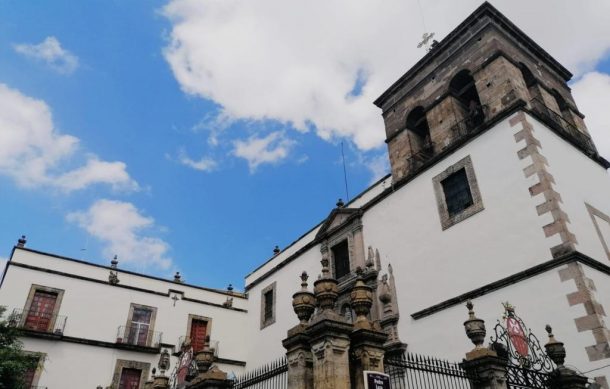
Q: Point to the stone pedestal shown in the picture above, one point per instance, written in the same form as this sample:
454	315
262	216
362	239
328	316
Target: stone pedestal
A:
300	358
489	369
214	378
367	354
330	344
160	382
565	378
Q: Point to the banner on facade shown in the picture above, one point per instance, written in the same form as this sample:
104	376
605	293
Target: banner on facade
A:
376	380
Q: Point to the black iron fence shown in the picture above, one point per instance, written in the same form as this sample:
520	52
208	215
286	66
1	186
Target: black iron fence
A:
37	321
421	372
138	335
273	375
521	378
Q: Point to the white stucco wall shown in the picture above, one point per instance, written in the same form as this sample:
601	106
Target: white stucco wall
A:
578	180
95	311
432	265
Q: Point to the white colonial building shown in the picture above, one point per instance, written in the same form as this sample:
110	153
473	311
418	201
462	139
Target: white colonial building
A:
497	193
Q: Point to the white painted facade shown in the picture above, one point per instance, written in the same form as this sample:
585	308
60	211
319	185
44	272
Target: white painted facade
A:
95	309
432	265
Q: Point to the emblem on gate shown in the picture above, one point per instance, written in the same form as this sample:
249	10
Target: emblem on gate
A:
515	341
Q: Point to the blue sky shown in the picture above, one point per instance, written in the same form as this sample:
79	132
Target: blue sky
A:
196	135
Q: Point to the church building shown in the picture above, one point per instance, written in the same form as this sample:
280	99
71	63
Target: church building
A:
496	194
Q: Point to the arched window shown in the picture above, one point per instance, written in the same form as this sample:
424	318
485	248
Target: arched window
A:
418	124
527	74
463	88
564	108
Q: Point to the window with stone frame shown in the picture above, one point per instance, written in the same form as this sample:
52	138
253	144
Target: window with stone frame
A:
140	325
198	329
32	374
129	374
41	309
340	255
268	302
457	193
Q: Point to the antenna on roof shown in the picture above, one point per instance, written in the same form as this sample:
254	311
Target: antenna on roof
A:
344	173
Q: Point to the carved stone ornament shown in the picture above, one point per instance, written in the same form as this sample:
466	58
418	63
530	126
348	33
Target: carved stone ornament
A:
555	349
303	302
362	300
325	288
163	361
475	327
205	357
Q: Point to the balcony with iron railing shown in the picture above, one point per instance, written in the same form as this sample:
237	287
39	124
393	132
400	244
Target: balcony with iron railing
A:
139	336
478	119
563	127
37	321
184	342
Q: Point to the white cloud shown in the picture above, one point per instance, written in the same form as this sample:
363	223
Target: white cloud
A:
592	94
50	52
297	62
378	165
269	149
204	164
34	153
122	229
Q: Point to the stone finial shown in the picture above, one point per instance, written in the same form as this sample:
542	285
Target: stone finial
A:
228	302
475	327
205	357
370	259
303	302
385	295
555	349
178	277
377	259
230	288
113	277
163	362
340	203
276	250
22	241
362	299
325	288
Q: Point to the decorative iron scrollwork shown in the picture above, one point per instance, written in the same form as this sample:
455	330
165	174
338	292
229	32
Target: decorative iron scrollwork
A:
516	342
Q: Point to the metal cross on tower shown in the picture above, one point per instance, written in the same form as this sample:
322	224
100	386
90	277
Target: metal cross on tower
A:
425	40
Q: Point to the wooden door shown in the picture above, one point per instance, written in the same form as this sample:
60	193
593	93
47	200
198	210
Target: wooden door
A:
40	315
130	379
199	329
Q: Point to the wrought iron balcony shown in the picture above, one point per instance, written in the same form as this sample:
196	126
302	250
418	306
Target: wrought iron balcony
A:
563	126
37	321
138	335
184	342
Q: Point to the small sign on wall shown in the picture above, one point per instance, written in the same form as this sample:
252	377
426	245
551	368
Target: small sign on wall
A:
376	380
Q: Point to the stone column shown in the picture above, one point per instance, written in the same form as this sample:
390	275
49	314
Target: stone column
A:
366	340
482	362
329	336
394	348
562	377
298	349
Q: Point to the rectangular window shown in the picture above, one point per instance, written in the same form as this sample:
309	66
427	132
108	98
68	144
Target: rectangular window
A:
268	305
130	378
341	259
40	314
199	329
457	192
139	327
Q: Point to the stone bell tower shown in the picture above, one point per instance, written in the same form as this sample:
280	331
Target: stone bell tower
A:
480	73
